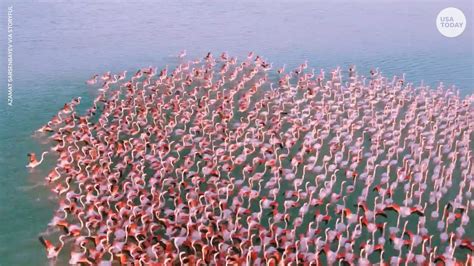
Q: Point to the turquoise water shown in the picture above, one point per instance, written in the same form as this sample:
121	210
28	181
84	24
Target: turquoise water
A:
57	46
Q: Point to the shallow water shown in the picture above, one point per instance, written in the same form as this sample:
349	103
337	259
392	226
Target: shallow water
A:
57	46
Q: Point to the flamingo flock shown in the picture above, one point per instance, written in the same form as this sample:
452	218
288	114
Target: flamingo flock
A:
225	162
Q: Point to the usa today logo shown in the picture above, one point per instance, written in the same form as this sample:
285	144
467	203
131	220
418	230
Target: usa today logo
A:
451	22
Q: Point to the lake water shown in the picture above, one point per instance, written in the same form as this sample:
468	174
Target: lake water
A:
58	45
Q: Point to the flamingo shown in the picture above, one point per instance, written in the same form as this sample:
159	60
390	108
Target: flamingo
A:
51	250
182	54
33	162
92	80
